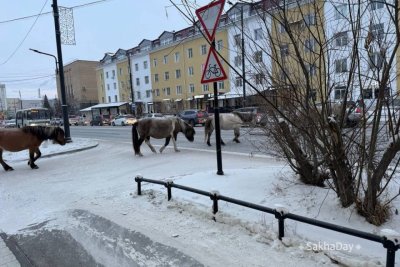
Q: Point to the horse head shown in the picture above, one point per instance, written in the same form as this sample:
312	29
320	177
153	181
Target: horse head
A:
245	116
188	130
58	136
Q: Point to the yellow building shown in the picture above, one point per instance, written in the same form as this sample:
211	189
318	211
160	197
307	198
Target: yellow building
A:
176	71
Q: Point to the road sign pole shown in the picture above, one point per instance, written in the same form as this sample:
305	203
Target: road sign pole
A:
217	126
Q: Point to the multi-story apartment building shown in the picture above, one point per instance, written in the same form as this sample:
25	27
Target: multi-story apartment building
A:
141	76
80	84
3	97
178	61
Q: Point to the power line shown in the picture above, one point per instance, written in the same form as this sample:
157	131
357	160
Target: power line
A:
50	12
23	40
27	79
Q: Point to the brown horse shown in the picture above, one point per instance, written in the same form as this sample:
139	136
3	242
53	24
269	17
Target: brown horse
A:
159	128
28	137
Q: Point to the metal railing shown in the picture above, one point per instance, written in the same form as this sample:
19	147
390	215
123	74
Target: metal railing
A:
391	243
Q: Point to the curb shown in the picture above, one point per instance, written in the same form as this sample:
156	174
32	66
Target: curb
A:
69	151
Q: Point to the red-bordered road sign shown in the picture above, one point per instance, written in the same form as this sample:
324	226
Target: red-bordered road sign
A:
209	17
213	70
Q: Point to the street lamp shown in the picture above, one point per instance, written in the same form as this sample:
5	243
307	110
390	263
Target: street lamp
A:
63	99
243	61
128	54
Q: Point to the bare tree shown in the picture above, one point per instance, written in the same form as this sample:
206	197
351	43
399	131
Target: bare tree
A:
325	71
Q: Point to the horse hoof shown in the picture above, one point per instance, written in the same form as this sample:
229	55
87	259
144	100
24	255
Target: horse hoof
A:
34	167
209	144
9	169
177	150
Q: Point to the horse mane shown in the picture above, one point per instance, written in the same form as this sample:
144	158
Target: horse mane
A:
244	116
41	132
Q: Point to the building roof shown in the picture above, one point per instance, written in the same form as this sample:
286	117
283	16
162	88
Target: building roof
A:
104	105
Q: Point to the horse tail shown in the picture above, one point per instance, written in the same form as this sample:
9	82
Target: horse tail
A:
207	128
135	139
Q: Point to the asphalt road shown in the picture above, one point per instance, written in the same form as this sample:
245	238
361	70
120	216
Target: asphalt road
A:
253	141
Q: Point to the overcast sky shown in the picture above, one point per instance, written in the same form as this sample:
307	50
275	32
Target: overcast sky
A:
99	28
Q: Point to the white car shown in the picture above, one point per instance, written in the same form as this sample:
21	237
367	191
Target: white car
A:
123	120
9	123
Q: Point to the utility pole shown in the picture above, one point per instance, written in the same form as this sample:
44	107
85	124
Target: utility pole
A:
61	71
130	81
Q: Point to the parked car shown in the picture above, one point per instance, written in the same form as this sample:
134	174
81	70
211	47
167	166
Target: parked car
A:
122	120
260	117
77	120
56	122
9	123
100	120
153	115
194	116
353	115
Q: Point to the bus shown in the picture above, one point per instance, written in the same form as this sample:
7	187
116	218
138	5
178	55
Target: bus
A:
32	117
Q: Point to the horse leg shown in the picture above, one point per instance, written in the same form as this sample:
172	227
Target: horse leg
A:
5	165
166	144
222	142
147	140
237	134
174	141
31	161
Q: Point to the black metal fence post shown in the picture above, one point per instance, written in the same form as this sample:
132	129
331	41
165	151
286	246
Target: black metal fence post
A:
138	180
214	197
168	184
391	251
280	213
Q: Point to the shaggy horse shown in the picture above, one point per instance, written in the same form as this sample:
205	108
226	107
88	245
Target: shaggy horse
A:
159	128
28	137
227	121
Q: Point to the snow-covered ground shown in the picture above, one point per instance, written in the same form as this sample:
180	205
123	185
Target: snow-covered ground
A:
101	180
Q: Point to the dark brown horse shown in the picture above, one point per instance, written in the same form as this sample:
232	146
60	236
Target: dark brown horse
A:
159	128
28	137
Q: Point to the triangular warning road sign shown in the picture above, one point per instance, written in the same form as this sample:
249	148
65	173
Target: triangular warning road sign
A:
209	17
213	70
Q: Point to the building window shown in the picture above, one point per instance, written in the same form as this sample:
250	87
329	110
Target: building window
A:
313	94
310	20
102	99
165	59
238	82
341	65
107	74
284	49
375	60
109	99
137	81
177	57
376	5
157	92
146	79
238	61
177	74
312	69
258	35
367	93
205	88
221	85
237	40
139	96
166	75
108	87
340	92
115	86
168	91
145	64
190	52
341	39
136	67
156	78
282	28
258	57
116	98
203	50
113	74
377	31
148	93
190	71
342	11
178	90
120	71
154	62
191	88
309	45
260	78
219	45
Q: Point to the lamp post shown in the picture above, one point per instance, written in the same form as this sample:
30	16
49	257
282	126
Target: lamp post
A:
242	51
63	100
130	80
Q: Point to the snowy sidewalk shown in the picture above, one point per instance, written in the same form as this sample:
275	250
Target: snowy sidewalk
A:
7	258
